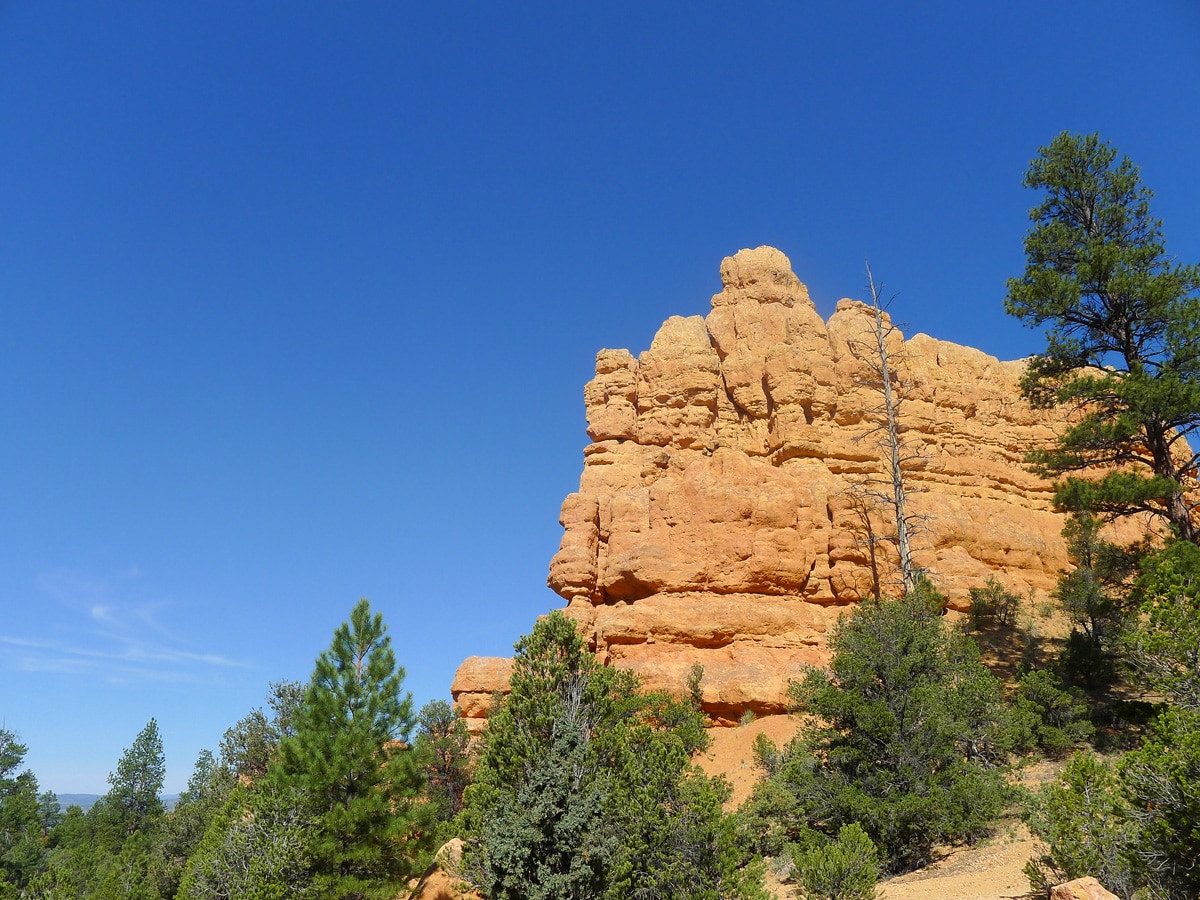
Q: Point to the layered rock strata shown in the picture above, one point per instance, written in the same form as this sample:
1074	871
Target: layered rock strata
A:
726	511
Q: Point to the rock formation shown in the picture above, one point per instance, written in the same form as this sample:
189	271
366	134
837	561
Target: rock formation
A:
475	685
439	882
724	515
1081	889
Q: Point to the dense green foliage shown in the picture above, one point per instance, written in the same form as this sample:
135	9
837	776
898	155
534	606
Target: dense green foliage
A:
259	845
911	731
1162	781
1084	820
1123	337
545	838
1162	778
1165	646
585	786
1095	595
25	818
182	830
443	757
1136	824
1049	715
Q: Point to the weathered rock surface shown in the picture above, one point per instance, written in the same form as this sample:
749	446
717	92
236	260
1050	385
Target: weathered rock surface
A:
1081	889
722	516
439	882
475	685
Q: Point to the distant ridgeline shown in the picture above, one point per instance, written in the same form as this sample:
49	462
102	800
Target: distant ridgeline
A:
726	515
87	801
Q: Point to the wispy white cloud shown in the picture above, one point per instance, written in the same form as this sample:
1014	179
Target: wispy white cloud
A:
132	652
111	631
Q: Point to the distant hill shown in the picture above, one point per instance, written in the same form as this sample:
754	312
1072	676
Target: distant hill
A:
87	801
83	801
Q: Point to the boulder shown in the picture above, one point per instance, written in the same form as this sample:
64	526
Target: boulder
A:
477	684
1081	889
439	882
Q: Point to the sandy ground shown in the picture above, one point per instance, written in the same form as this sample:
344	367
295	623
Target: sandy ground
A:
991	870
732	752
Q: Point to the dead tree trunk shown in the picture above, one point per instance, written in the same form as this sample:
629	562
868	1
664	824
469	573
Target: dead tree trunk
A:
887	491
894	462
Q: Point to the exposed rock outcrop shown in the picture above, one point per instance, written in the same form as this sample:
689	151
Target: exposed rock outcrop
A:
440	881
475	685
1081	889
722	517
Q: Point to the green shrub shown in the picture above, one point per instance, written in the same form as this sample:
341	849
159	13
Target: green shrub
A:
1054	716
771	820
992	604
911	731
259	846
843	869
1162	783
767	755
1162	778
1085	823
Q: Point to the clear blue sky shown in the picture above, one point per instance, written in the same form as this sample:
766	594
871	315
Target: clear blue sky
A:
297	300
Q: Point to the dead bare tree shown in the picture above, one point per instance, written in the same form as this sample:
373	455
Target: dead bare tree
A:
898	456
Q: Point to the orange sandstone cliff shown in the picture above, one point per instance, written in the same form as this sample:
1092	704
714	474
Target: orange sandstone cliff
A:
720	514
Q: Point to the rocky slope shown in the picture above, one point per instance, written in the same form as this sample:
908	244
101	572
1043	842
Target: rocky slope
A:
723	515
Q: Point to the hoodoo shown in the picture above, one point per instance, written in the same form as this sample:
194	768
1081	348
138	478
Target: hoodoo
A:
726	516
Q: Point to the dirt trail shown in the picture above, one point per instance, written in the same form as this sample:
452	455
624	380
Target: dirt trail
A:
989	871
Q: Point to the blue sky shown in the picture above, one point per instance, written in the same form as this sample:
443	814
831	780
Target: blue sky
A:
297	301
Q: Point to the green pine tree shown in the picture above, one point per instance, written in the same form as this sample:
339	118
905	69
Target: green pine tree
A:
23	817
350	757
1123	336
135	796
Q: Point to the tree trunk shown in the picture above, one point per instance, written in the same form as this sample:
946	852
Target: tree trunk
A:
1164	466
895	471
